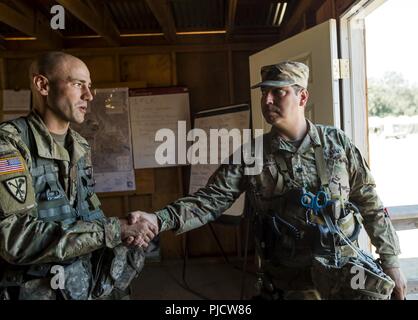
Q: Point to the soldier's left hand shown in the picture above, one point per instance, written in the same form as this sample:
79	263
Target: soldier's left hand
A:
146	222
399	292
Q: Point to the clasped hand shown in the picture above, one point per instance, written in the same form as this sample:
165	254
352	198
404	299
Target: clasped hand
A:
139	228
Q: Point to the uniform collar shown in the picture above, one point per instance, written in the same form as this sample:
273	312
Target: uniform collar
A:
311	139
48	148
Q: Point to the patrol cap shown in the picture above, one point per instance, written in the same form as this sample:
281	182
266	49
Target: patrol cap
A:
283	74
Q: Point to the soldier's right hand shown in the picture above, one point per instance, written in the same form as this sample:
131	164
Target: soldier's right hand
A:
139	231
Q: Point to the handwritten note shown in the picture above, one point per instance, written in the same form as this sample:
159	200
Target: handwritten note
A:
151	111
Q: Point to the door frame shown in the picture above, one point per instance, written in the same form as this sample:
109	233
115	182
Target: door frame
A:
354	94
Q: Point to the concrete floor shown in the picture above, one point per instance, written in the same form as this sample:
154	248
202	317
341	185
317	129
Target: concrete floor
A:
211	279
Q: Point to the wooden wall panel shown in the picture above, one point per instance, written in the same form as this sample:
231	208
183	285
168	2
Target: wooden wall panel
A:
201	242
140	202
154	69
171	245
144	181
2	84
113	206
17	76
332	9
167	185
102	68
325	12
342	5
2	74
167	180
168	189
206	76
241	76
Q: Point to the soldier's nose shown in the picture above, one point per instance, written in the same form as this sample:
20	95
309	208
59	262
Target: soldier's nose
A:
270	98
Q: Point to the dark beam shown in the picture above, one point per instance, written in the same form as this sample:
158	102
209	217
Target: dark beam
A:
23	8
230	21
102	11
164	16
2	43
298	15
29	22
310	19
16	20
96	19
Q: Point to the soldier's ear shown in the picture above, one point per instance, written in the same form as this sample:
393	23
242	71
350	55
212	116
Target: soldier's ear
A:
304	95
41	84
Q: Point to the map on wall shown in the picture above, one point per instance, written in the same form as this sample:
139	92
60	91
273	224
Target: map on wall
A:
107	129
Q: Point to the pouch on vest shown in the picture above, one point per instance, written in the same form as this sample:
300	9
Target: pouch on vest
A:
346	277
37	289
265	236
116	268
356	278
336	225
77	280
23	286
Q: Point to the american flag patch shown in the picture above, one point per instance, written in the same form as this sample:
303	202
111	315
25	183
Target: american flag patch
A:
11	165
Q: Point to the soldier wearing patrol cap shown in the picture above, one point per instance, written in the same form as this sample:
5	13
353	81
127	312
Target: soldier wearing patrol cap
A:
49	213
309	202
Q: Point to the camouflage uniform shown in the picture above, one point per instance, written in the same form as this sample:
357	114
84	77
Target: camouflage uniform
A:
32	239
287	260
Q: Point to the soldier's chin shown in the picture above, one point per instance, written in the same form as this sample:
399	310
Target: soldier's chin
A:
271	118
79	119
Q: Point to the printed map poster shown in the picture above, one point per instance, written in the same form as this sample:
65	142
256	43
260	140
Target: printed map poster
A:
107	129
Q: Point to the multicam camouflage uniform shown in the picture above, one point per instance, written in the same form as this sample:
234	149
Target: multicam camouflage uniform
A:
50	215
288	258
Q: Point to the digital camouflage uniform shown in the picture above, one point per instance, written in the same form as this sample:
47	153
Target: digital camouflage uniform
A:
45	221
287	258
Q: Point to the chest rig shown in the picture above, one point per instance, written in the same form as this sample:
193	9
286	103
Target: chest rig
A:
290	233
53	203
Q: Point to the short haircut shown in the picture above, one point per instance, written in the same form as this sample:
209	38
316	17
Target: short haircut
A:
47	64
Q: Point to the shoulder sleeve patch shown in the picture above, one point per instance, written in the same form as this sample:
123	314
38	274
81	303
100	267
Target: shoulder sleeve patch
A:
16	189
11	164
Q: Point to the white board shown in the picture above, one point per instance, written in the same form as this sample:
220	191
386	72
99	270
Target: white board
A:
228	118
151	110
16	100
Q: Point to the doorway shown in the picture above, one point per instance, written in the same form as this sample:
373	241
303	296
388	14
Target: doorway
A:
380	108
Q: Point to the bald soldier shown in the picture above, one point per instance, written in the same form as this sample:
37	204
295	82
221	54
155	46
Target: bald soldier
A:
55	241
311	198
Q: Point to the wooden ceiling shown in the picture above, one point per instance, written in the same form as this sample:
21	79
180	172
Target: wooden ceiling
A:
135	22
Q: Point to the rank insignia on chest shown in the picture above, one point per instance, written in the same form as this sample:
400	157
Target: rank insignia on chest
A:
17	188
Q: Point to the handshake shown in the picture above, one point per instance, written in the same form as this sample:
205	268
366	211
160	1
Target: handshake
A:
139	228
